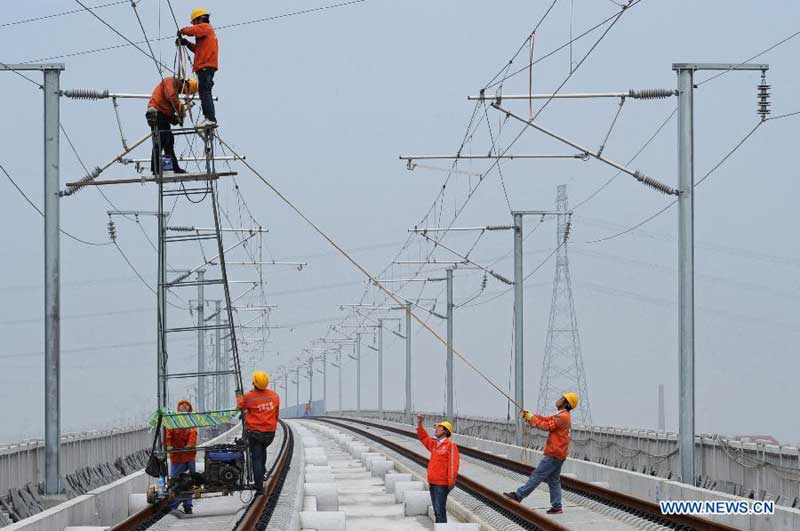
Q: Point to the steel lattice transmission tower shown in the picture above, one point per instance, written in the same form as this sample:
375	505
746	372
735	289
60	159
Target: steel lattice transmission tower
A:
562	369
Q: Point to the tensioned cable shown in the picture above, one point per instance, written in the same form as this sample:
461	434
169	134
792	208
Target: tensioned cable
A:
126	39
39	210
756	56
524	43
372	279
218	28
61	14
616	17
674	201
561	47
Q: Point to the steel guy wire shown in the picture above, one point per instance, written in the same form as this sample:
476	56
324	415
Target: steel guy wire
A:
37	209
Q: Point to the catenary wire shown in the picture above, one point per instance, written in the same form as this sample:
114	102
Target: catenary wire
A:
41	213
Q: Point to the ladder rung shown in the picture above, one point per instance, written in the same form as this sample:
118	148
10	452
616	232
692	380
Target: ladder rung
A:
191	237
177	178
196	374
196	328
195	283
188	191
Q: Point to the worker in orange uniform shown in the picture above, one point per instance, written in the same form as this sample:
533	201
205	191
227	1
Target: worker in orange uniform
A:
555	452
260	406
163	111
442	466
206	58
182	461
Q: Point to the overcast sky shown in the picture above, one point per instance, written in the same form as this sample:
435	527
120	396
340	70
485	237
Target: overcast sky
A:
323	103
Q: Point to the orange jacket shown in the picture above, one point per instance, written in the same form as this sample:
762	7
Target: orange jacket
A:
444	461
261	409
558	425
164	98
178	438
205	46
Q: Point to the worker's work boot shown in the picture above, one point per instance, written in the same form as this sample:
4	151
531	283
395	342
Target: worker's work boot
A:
512	495
554	510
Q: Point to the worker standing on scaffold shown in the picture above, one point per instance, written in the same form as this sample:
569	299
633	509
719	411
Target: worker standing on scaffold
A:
206	59
163	111
261	406
555	452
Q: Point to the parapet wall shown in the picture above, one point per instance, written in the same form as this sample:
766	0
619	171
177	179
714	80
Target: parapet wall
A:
754	470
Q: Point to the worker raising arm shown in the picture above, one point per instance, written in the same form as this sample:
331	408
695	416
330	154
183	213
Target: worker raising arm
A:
555	451
261	406
442	466
206	58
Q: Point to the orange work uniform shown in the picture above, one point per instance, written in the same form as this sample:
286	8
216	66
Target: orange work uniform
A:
557	445
179	438
261	409
165	99
205	46
444	462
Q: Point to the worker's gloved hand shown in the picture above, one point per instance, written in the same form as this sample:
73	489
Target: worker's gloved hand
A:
179	34
527	415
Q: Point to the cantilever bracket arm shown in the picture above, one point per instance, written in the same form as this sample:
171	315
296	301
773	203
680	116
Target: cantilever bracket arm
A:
644	179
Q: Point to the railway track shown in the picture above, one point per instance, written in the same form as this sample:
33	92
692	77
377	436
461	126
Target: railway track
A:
258	512
519	513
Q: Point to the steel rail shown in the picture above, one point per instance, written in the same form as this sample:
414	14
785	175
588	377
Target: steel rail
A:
630	504
518	513
144	518
260	511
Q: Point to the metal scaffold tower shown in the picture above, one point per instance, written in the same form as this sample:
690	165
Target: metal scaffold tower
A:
202	188
562	368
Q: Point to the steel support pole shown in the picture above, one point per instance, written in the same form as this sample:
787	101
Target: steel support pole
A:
52	283
339	402
358	371
449	362
297	387
201	344
686	423
407	408
310	380
662	422
324	382
380	367
218	356
519	366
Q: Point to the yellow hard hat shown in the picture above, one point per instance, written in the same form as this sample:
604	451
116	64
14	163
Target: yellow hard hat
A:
260	380
572	399
198	12
193	85
446	425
